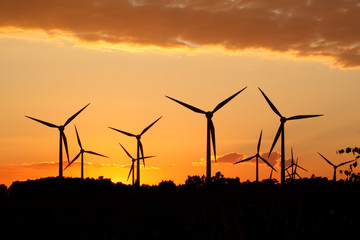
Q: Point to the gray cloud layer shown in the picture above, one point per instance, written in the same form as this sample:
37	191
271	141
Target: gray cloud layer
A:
306	28
274	158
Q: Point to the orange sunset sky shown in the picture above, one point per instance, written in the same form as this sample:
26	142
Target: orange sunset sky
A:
124	56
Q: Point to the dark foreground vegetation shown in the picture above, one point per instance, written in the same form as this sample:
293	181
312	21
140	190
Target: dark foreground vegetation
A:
72	208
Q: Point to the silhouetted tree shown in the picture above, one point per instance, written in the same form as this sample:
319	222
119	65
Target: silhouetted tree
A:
3	192
270	181
351	175
195	181
167	185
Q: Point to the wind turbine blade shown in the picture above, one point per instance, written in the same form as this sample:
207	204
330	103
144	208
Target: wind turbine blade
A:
131	169
43	122
271	104
298	175
147	128
304	116
187	105
297	166
289	166
276	138
292	156
127	152
271	173
123	132
345	162
77	156
259	142
326	160
267	163
246	159
94	153
148	157
289	175
78	138
65	144
212	133
142	152
220	105
74	116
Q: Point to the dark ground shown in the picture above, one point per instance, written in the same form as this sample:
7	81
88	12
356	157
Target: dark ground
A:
306	210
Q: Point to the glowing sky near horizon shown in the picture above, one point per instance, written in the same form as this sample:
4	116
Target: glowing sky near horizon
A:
123	57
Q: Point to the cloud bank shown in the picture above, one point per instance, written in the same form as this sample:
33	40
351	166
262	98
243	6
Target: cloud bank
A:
233	157
307	28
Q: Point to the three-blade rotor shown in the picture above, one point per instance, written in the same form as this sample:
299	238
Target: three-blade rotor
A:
257	155
209	115
283	119
138	137
335	166
61	129
133	161
82	151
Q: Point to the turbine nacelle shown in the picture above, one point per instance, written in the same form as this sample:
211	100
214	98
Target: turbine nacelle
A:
283	119
209	115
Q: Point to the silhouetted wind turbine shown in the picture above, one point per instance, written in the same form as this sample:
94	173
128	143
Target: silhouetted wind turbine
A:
281	131
62	136
257	156
210	128
81	153
335	166
132	164
139	147
294	166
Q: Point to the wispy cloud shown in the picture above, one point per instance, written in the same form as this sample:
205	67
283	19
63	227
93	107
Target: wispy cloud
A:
314	28
51	165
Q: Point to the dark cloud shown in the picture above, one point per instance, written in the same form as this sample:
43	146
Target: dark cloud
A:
233	157
230	158
305	28
274	158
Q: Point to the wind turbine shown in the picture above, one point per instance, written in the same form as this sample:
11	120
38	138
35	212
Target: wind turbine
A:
62	136
271	173
210	128
139	147
81	153
257	156
335	166
132	164
294	166
281	131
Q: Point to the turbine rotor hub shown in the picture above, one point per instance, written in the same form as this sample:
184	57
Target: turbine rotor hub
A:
283	119
61	128
209	114
138	137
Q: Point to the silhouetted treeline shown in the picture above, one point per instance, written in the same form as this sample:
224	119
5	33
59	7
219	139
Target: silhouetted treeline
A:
54	187
224	208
